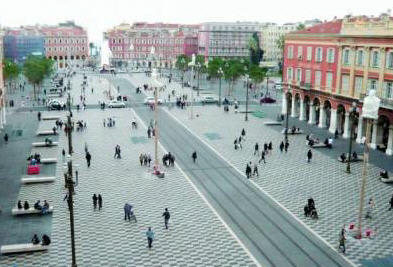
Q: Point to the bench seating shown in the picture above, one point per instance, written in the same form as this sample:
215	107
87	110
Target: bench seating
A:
48	160
387	180
290	132
18	248
272	123
359	158
43	144
320	145
16	211
47	179
46	132
47	118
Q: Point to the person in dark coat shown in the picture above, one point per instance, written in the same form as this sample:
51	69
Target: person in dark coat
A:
95	201
282	146
194	156
166	216
256	149
99	201
248	170
88	158
6	138
286	146
35	240
309	156
45	240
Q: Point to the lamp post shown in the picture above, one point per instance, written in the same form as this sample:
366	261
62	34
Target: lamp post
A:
220	73
246	75
287	117
369	112
192	65
352	117
198	68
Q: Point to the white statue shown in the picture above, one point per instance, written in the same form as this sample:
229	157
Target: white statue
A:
371	106
106	54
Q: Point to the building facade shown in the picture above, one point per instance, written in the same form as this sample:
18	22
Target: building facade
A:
2	87
131	45
67	44
22	42
331	66
226	39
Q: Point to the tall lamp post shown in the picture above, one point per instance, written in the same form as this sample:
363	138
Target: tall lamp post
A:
198	68
352	117
246	75
287	117
220	73
192	65
369	113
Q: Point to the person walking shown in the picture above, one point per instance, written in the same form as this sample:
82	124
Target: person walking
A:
166	216
117	152
270	147
63	153
248	170
256	149
99	201
88	158
370	208
39	115
194	156
282	146
150	237
309	156
342	240
243	134
286	146
262	157
141	159
240	142
391	203
127	211
256	169
95	201
6	138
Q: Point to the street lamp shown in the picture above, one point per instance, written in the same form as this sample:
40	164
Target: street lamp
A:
198	68
246	75
192	65
352	117
287	117
220	73
369	113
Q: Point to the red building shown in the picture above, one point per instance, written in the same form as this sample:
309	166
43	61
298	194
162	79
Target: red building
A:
329	66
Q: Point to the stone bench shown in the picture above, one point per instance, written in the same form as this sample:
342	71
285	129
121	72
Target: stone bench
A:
33	180
16	211
359	158
48	160
290	132
47	132
18	248
47	118
387	180
320	145
43	144
272	123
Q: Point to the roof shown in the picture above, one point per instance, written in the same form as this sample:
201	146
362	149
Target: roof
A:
323	28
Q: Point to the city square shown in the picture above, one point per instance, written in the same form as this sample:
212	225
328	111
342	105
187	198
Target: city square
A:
211	144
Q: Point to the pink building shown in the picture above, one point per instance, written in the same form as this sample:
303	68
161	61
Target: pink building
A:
67	44
131	44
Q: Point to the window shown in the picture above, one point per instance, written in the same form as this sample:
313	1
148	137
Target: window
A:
329	79
345	84
388	89
290	52
372	84
318	75
389	60
330	55
375	59
308	76
298	75
309	53
289	74
346	57
300	52
359	58
358	85
318	54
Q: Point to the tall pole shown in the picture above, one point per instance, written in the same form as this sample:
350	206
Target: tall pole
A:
155	129
287	113
246	118
219	92
364	177
351	117
198	69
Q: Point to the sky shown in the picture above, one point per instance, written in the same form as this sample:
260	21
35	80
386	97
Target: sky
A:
99	15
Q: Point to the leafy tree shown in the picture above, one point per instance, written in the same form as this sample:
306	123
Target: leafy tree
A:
257	74
256	53
214	65
281	44
36	69
182	64
233	70
10	71
300	27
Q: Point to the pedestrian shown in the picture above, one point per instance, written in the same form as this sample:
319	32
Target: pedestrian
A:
104	122
309	156
248	170
265	148
141	159
240	142
194	156
88	158
149	132
86	148
243	134
166	216
6	138
370	207
270	147
150	237
148	159
95	201
391	203
342	240
63	153
282	146
256	149
256	169
127	211
286	145
262	157
117	152
99	201
39	115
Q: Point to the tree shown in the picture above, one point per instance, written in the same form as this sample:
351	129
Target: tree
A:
214	65
10	70
233	70
300	27
256	53
182	62
257	74
281	44
36	69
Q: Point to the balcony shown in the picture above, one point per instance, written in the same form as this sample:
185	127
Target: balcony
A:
385	102
305	86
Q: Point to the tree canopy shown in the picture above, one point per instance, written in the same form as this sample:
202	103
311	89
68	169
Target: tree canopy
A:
10	70
256	53
36	69
182	62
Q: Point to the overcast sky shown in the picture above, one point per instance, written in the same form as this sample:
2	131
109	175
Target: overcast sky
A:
99	15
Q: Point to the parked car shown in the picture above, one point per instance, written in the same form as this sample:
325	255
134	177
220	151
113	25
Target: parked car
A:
150	100
278	86
208	98
56	104
267	100
116	104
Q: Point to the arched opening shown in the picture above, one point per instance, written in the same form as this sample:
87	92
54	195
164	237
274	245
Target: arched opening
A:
289	102
77	57
55	58
297	104
317	107
49	57
72	57
327	107
340	118
382	132
60	57
83	57
307	107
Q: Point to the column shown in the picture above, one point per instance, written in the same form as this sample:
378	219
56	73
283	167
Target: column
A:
389	149
333	120
312	115
1	117
293	108
360	130
301	111
373	144
284	104
381	71
352	71
365	69
338	75
322	115
346	125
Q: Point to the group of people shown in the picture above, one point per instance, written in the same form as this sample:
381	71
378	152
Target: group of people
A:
310	210
145	159
34	159
48	141
354	157
45	240
81	125
238	141
97	200
109	122
150	131
117	152
37	206
168	160
59	124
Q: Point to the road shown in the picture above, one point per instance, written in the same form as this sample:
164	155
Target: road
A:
272	235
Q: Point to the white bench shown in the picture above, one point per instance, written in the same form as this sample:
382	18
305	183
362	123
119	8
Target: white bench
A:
387	180
17	248
47	118
47	132
16	211
290	132
43	144
272	123
28	180
48	160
